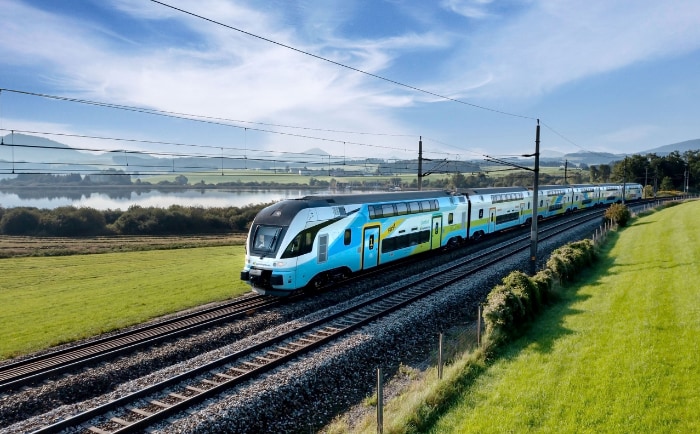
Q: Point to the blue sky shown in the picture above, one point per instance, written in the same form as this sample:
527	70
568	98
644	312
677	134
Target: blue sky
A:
617	76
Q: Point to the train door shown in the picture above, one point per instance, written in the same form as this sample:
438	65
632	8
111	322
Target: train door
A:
521	213
370	247
492	220
436	233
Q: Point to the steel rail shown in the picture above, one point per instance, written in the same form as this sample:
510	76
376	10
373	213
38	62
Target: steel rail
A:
44	366
248	363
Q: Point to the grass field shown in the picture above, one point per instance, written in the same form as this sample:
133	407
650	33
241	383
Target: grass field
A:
46	301
621	353
18	246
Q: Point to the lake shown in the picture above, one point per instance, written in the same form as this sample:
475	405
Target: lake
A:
123	199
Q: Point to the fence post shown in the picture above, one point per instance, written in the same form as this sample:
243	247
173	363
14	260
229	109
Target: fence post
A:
440	357
380	402
478	326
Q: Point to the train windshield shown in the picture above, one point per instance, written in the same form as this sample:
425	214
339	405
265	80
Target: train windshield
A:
265	239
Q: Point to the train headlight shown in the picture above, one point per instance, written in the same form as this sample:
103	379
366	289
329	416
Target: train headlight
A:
278	264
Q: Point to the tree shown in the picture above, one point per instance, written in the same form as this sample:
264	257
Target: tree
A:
181	180
594	174
666	184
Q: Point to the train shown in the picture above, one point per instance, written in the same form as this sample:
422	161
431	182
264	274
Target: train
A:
313	241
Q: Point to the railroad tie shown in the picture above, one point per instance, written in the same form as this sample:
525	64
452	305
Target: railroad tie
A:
141	412
120	421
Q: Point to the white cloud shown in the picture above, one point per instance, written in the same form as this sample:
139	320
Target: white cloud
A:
554	43
476	9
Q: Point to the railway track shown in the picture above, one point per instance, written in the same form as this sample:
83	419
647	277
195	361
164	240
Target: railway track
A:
149	405
41	367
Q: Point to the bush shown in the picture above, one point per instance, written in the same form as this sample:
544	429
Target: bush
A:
519	298
567	260
618	214
20	221
68	221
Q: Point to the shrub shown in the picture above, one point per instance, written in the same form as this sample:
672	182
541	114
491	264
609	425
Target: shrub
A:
618	214
544	280
567	260
20	221
527	292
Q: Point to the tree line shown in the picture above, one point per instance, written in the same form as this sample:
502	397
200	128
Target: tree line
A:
666	173
69	221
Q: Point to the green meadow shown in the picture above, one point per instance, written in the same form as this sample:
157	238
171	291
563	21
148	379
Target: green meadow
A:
619	354
45	301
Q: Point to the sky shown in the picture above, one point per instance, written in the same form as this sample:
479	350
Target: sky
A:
353	78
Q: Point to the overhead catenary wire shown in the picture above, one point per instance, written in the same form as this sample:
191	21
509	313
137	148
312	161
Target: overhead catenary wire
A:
228	122
325	59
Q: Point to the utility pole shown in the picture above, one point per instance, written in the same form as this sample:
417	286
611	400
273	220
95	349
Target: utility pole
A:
624	179
535	204
420	163
566	167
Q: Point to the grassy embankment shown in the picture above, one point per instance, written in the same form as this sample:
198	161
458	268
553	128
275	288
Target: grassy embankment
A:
619	353
46	301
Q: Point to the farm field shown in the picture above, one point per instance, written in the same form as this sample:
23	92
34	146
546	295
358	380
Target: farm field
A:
17	246
45	301
620	353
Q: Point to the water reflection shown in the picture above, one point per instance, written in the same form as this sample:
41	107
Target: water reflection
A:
123	199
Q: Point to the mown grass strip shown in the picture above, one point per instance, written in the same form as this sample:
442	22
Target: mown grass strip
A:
620	353
46	301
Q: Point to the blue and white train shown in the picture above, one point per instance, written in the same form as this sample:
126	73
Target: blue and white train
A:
316	240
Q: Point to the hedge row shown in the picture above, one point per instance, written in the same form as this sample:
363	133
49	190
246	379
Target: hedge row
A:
71	221
519	298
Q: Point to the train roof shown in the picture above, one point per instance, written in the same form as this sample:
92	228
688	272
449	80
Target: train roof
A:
283	212
491	190
345	199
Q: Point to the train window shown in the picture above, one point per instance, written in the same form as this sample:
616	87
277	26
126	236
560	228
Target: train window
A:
265	238
347	237
481	213
425	205
401	208
372	212
450	218
302	243
388	210
322	248
413	207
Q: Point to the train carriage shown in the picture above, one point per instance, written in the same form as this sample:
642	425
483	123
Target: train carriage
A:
610	193
585	196
554	200
497	208
319	239
633	191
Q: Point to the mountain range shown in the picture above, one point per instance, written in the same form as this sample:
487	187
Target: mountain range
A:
21	153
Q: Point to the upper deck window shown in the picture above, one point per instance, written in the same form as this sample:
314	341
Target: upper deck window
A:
402	208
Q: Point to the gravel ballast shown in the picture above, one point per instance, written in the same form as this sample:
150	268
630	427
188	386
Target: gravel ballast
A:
299	397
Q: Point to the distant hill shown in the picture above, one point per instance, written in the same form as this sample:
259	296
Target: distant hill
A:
688	145
39	154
